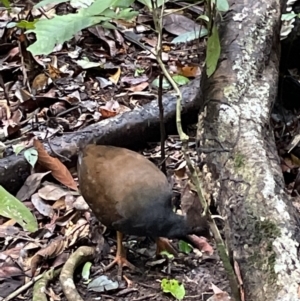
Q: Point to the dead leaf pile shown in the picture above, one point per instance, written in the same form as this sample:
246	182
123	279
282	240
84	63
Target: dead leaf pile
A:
78	85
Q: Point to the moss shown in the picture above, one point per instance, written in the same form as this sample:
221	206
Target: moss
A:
266	230
264	259
239	160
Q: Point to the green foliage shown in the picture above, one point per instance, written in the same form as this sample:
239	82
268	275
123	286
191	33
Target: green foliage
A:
173	287
222	5
148	3
212	52
6	3
31	155
11	207
180	80
101	11
165	83
289	16
86	271
17	148
46	2
24	24
184	247
190	36
138	72
167	254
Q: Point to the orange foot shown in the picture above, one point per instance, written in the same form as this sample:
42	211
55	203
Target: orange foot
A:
120	258
163	244
121	261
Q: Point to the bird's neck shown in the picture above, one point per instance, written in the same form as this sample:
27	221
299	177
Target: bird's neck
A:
174	226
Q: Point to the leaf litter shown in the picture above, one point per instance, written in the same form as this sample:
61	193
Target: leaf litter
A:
75	86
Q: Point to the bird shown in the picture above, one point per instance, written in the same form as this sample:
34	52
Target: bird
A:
130	194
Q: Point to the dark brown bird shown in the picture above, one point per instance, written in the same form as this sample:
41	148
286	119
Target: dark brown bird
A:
130	194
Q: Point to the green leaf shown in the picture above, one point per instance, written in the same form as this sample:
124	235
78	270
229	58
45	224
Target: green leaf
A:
26	25
81	3
123	14
165	83
167	254
180	80
86	271
190	36
6	3
108	25
18	148
127	14
184	247
222	5
213	51
204	18
86	64
138	72
174	287
68	25
123	3
99	6
46	2
148	3
288	17
31	155
11	207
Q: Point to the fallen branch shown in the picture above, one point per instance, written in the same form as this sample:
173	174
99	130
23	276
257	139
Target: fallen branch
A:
130	129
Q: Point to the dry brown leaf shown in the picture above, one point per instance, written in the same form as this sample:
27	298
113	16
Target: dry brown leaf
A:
55	248
79	230
40	82
218	295
139	87
41	206
5	112
115	77
62	221
59	204
190	71
59	170
202	244
54	72
110	109
31	184
52	192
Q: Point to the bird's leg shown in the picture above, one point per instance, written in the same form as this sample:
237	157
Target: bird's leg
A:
163	244
120	258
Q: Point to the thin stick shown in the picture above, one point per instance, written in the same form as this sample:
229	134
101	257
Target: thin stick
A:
162	127
23	288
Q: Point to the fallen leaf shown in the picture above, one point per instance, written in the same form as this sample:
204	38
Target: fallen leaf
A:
139	87
202	244
40	82
41	206
115	77
31	184
59	170
110	109
52	192
102	284
55	248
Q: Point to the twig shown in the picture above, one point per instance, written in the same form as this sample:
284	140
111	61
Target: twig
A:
162	126
146	297
23	288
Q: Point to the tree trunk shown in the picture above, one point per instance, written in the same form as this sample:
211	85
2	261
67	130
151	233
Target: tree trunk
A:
241	167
